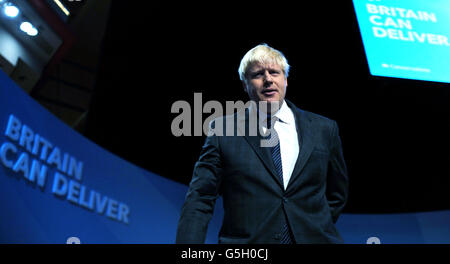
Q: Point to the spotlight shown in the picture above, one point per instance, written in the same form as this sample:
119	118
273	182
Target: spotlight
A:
10	10
32	32
28	28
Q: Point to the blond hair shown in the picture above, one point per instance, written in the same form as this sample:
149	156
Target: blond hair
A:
263	54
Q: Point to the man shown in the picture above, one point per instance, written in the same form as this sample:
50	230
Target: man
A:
289	192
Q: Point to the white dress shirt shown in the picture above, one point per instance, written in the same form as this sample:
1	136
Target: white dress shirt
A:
287	134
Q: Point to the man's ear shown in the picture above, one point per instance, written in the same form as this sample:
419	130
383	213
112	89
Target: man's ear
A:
244	85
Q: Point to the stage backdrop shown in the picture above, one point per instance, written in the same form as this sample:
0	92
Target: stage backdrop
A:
57	186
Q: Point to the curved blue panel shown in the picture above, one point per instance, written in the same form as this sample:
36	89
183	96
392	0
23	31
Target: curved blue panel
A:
407	228
56	184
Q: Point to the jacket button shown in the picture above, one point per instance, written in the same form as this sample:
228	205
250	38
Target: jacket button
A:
285	200
277	237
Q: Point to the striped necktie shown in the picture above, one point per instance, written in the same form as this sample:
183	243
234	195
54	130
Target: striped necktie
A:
286	236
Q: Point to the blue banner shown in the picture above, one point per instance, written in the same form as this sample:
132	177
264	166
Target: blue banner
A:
406	38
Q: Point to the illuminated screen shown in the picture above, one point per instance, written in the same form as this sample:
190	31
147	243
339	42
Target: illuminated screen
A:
406	38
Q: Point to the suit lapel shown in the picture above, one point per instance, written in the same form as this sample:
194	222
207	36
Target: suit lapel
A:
255	142
306	139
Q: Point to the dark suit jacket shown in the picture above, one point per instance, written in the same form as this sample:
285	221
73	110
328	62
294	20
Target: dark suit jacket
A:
254	199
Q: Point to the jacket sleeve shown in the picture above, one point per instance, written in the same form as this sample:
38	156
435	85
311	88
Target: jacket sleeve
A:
337	178
202	194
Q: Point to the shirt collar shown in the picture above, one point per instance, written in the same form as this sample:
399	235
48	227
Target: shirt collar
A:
284	114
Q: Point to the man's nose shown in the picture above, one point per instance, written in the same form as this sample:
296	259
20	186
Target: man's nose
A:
267	77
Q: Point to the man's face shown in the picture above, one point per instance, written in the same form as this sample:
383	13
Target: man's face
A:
266	82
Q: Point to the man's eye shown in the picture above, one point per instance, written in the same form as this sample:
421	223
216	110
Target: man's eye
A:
274	72
256	74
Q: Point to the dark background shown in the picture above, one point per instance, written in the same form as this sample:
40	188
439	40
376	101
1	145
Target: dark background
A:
394	131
